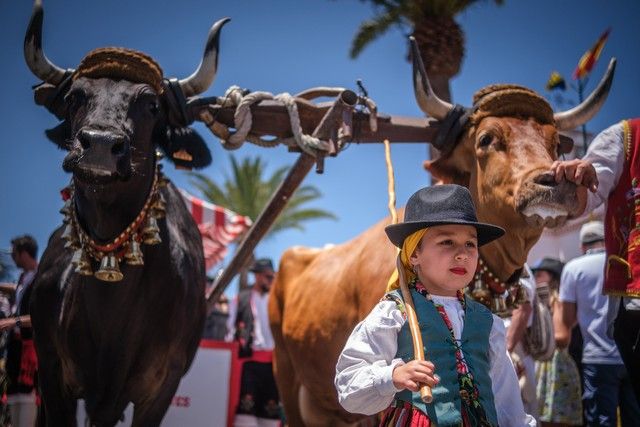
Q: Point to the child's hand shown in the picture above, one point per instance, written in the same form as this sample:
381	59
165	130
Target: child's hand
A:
413	374
578	171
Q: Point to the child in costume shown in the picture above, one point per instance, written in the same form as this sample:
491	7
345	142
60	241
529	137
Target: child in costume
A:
472	378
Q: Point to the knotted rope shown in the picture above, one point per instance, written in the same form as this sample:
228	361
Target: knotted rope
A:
243	119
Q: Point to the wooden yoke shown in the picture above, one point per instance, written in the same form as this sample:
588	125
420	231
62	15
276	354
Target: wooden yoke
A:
270	118
412	318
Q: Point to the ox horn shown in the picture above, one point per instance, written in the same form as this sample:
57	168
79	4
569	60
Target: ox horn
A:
202	78
582	113
37	61
428	101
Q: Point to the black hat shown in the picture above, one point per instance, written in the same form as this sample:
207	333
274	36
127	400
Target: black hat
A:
441	205
552	265
261	265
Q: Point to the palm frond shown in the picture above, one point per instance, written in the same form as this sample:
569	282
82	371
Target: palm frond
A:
210	190
246	190
372	29
295	219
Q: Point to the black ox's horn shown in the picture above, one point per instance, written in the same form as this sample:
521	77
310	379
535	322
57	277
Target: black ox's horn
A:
427	100
202	78
582	113
37	61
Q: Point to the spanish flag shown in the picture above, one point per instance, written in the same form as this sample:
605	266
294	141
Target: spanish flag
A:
556	81
590	57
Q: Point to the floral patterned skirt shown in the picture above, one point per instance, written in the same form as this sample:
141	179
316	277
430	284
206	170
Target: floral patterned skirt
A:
558	389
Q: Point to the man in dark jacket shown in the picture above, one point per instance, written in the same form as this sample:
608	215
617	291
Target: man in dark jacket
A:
249	325
21	357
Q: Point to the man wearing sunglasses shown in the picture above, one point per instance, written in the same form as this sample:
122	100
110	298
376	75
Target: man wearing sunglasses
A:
249	325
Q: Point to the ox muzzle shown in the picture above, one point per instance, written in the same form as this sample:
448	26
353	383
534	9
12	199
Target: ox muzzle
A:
99	156
544	202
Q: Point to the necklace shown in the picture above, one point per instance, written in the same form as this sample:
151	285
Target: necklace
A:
500	297
126	246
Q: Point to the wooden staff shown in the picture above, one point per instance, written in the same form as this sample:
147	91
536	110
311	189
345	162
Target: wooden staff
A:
414	328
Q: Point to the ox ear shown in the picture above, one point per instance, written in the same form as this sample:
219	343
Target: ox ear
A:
60	135
446	172
186	148
566	144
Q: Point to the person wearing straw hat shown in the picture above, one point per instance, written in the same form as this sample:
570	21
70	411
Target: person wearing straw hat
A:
472	379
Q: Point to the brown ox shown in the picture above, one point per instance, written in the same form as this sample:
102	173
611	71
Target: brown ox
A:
503	156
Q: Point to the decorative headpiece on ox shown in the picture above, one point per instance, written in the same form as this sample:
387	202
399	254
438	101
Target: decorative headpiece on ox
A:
502	148
131	340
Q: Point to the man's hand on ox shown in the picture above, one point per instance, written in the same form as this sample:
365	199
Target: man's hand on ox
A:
578	171
414	374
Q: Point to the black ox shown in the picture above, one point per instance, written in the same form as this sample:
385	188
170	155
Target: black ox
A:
112	340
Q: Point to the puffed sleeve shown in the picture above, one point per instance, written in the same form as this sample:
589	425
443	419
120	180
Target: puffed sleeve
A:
504	382
365	366
606	153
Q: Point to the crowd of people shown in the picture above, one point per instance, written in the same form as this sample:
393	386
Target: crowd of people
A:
244	319
589	385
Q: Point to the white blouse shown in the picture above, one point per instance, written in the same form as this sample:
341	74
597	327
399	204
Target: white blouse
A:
364	370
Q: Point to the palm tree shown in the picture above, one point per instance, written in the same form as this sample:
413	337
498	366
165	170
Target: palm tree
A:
439	37
247	190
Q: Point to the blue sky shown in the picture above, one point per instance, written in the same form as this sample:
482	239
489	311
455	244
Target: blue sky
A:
288	46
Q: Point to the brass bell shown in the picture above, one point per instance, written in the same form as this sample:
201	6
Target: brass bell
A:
66	208
521	295
109	270
134	254
71	237
480	290
81	261
159	206
499	306
162	181
151	232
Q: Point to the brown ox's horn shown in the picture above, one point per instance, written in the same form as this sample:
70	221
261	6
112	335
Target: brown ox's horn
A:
426	98
34	55
582	113
202	78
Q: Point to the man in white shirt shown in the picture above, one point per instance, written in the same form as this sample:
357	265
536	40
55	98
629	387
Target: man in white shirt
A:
249	325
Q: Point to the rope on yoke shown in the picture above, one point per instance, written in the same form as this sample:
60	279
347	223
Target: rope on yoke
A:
243	119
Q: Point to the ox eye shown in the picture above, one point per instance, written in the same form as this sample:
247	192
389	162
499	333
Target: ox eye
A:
485	140
74	100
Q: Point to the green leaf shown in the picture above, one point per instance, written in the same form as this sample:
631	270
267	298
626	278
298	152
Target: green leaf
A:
246	190
371	30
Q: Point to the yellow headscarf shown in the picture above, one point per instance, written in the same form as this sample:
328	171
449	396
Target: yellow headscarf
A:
408	247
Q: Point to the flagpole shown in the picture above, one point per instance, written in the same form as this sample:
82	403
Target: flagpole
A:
581	85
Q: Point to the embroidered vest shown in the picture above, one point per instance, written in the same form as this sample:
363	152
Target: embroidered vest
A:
439	348
622	221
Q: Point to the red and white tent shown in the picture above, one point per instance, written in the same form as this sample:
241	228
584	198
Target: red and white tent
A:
218	227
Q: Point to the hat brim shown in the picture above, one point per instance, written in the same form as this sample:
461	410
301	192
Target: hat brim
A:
260	270
398	232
